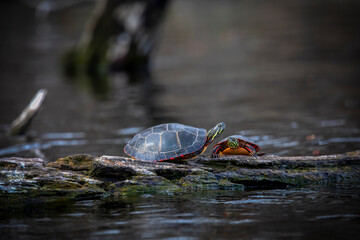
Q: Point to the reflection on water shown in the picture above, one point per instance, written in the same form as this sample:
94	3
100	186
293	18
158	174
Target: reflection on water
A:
271	214
284	75
43	145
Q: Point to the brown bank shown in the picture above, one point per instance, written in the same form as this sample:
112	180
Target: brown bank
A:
77	177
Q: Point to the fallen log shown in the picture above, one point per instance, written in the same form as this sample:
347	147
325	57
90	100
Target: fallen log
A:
82	176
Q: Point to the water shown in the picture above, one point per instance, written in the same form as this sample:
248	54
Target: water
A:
285	74
268	214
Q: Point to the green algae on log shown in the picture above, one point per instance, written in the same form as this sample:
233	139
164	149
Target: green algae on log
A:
82	176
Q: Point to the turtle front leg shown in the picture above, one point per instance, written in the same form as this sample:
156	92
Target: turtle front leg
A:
216	150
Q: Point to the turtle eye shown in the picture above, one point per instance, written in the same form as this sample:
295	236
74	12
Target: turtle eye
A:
221	125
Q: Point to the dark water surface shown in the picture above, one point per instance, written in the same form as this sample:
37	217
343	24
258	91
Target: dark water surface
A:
269	214
284	73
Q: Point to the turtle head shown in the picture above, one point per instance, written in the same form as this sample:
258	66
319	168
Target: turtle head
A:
233	143
214	132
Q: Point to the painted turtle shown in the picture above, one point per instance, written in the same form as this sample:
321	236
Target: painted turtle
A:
171	141
235	145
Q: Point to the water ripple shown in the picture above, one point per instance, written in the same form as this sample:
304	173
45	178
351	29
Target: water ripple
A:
128	131
49	144
339	140
66	135
107	232
205	221
338	216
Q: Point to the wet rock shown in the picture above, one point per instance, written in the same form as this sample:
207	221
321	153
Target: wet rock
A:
77	162
275	171
30	180
16	163
145	185
208	181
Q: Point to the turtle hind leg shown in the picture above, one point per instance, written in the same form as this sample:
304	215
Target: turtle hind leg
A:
251	151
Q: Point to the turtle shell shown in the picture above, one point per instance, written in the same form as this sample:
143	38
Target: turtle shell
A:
167	141
243	138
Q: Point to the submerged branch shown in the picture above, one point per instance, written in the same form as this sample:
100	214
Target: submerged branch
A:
22	122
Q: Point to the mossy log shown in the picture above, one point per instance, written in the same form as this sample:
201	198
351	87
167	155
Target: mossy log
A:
29	180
